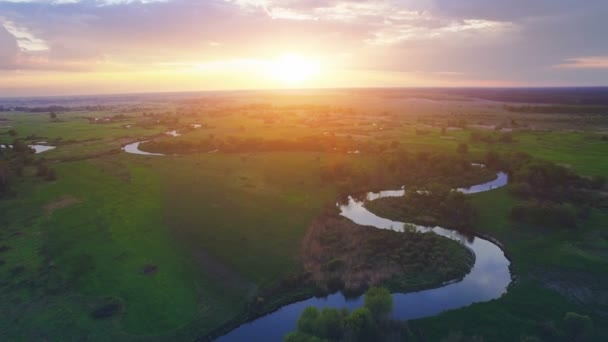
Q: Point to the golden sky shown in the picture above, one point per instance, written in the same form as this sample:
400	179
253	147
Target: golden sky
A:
53	47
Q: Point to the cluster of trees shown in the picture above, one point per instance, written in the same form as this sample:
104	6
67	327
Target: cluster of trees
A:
553	194
461	123
548	181
51	109
46	109
348	178
44	171
257	144
341	255
13	161
435	204
425	168
367	323
558	109
491	138
403	168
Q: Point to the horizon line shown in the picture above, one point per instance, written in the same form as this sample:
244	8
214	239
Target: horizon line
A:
241	90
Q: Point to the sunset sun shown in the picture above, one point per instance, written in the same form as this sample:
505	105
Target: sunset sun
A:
294	69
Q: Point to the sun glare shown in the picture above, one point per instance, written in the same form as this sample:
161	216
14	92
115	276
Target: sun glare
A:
294	69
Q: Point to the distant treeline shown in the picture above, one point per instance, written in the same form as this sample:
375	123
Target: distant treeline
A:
256	144
559	109
49	109
491	138
571	96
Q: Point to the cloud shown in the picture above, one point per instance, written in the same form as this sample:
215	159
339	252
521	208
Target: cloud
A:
516	40
594	62
8	49
24	38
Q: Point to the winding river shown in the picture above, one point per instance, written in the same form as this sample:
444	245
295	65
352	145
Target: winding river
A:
487	280
133	148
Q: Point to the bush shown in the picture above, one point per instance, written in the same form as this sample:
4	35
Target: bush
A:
301	337
308	319
361	326
338	325
45	172
379	302
327	323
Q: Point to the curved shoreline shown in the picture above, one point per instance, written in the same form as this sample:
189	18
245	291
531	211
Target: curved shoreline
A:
133	148
488	279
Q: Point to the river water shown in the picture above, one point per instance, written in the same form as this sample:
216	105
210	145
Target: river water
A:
487	280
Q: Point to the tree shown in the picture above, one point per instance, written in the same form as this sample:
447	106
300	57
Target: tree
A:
12	133
53	115
20	147
301	337
379	302
327	323
4	170
330	324
360	324
462	148
308	320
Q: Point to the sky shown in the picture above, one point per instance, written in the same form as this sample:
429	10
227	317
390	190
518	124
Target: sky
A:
65	47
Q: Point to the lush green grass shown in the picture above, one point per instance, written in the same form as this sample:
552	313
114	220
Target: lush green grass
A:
135	211
532	247
221	227
101	245
540	256
276	197
519	313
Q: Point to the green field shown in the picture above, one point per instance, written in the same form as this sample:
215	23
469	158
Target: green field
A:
180	244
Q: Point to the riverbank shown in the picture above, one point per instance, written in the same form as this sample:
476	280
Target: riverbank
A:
488	279
340	254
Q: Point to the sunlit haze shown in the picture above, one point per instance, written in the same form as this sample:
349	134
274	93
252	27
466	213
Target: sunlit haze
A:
53	47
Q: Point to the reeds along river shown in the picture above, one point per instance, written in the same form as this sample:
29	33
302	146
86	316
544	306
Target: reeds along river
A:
487	280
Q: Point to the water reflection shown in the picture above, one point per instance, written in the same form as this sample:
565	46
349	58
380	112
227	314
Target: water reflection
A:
487	280
134	149
37	148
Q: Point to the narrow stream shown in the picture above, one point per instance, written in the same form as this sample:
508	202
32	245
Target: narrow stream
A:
134	149
487	280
